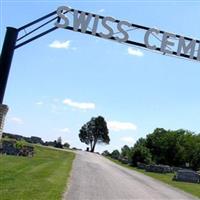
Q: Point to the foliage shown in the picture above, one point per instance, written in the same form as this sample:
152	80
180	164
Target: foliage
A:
58	143
175	148
125	151
20	144
195	160
32	139
106	153
169	147
93	132
115	154
141	154
66	145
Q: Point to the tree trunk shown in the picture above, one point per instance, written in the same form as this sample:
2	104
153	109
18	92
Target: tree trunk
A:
90	145
94	144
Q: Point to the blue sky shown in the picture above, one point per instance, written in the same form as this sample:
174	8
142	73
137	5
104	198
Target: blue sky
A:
53	91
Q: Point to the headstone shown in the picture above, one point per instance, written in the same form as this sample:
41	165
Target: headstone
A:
124	160
175	169
9	148
141	165
158	168
187	175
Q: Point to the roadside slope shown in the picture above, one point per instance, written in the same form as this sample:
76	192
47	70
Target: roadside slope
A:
42	177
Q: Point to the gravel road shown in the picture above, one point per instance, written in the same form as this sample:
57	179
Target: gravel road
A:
96	178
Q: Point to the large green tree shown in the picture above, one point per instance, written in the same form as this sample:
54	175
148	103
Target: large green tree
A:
171	147
141	154
95	131
115	154
125	152
174	147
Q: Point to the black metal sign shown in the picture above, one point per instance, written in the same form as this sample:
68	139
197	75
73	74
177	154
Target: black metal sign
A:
99	26
126	32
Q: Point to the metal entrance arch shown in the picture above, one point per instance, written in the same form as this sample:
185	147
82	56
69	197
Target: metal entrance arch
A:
13	41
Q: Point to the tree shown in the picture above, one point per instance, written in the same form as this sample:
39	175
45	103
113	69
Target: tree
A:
115	154
141	154
59	143
125	152
106	153
195	160
174	147
93	132
66	145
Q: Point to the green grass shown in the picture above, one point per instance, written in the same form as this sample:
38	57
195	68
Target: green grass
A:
42	177
191	188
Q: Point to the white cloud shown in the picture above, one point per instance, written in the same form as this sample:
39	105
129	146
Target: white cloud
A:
60	45
135	52
64	130
39	103
79	105
101	10
128	140
121	126
16	120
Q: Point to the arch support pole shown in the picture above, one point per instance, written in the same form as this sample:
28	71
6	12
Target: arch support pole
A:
5	64
6	58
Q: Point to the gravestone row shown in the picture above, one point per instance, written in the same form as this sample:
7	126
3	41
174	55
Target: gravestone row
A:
185	175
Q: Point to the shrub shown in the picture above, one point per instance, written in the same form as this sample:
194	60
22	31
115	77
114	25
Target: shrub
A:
20	144
141	154
115	154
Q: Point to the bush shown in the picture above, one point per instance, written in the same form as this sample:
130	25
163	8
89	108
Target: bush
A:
115	154
106	153
141	154
66	145
20	144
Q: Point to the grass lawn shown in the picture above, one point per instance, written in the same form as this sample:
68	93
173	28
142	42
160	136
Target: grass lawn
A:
191	188
42	177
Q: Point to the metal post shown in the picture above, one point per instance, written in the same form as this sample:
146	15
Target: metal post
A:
6	58
5	63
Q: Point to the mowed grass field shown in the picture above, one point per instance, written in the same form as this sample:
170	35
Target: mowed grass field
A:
42	177
191	188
